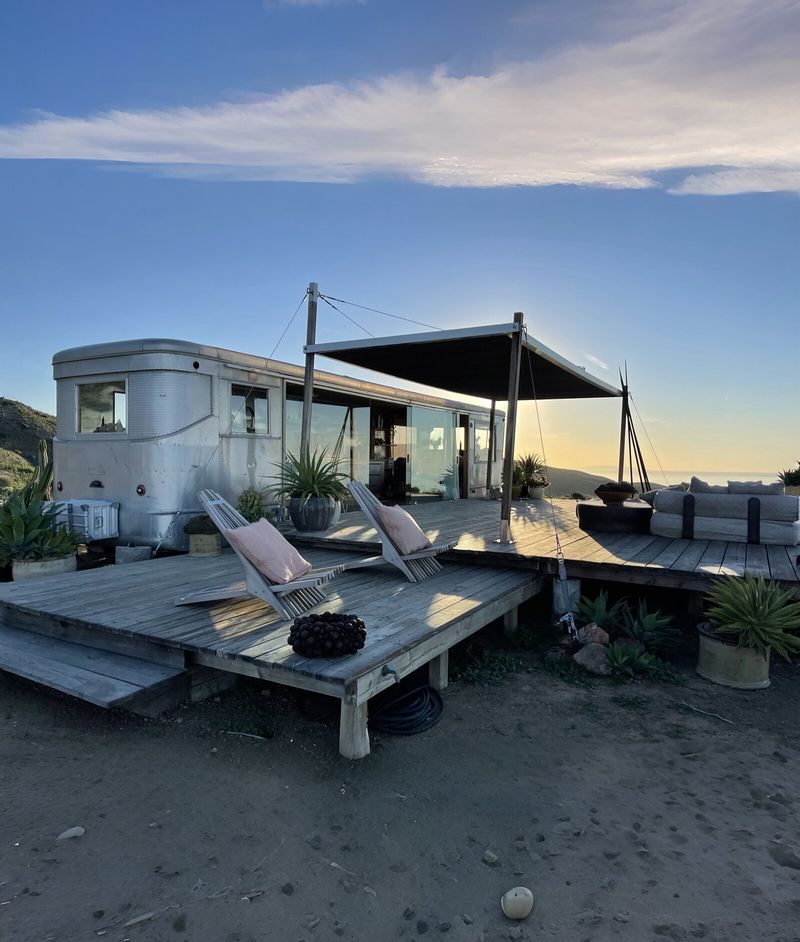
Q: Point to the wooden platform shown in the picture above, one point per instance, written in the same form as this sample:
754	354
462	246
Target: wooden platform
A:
130	610
100	677
629	558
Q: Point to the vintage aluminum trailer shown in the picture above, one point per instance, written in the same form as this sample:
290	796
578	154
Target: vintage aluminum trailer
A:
149	423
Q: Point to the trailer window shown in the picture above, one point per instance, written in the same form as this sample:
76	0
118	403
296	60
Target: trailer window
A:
102	407
249	413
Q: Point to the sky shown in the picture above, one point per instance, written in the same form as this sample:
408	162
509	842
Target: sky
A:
625	172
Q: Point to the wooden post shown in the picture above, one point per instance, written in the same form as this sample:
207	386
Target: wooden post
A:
438	671
490	458
511	623
511	428
353	732
308	380
622	431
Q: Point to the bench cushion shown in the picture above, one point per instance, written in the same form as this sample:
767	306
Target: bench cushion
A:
776	507
728	529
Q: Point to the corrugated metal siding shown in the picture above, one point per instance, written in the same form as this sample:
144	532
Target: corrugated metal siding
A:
65	408
162	403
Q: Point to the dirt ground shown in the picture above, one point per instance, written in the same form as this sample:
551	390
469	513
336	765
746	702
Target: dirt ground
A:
629	815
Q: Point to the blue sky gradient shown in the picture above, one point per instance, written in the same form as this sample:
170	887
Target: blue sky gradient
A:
676	249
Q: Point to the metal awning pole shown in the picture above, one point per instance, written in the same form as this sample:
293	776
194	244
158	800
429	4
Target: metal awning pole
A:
623	430
490	457
511	428
308	380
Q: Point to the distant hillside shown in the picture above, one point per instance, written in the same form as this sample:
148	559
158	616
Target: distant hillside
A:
565	482
21	430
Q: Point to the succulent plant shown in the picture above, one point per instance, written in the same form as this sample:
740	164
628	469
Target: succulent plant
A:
28	531
760	614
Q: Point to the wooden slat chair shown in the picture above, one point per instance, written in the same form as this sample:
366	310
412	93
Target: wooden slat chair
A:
415	566
289	599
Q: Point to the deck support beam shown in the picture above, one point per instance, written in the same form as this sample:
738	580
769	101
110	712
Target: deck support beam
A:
438	670
511	624
511	428
353	732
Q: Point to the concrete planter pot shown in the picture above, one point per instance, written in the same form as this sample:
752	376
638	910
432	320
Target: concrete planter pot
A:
23	569
536	493
793	489
205	544
613	497
721	661
312	514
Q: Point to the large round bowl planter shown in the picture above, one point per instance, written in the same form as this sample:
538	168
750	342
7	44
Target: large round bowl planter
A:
22	569
722	661
536	493
312	514
613	497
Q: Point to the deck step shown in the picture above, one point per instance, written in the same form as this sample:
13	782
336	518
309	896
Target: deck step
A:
100	677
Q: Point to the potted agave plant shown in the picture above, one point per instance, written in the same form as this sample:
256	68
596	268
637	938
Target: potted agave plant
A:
747	619
31	541
791	480
615	492
534	480
314	486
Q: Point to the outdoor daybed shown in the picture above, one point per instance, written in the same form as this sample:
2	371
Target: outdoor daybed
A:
746	512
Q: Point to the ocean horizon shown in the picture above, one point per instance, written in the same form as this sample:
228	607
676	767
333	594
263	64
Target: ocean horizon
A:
668	476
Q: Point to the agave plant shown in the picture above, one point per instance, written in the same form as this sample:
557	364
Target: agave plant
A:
311	475
760	614
40	485
653	629
28	531
627	663
610	619
791	476
532	470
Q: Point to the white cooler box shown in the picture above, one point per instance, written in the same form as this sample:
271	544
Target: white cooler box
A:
95	519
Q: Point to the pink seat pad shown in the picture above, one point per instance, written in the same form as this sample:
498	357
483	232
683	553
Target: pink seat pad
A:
269	551
403	529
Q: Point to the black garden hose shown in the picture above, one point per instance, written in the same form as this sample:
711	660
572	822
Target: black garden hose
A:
406	714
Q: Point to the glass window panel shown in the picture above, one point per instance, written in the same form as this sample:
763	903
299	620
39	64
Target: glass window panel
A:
102	407
249	410
343	431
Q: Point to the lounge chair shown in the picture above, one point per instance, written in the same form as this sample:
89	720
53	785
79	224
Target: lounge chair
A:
289	599
415	566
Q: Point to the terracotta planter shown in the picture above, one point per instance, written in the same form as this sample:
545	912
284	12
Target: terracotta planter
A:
721	661
204	544
23	569
312	514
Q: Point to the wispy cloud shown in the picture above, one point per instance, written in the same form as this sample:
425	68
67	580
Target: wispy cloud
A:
595	361
309	3
705	86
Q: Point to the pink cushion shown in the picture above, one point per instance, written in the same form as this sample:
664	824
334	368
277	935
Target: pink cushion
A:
268	550
403	529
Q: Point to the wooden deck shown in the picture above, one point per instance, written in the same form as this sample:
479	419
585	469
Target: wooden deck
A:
130	609
628	558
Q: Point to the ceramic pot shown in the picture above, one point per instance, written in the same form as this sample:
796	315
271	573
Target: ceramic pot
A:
311	514
536	493
516	491
722	661
22	569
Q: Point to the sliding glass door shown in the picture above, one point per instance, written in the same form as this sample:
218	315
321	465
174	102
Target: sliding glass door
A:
434	470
